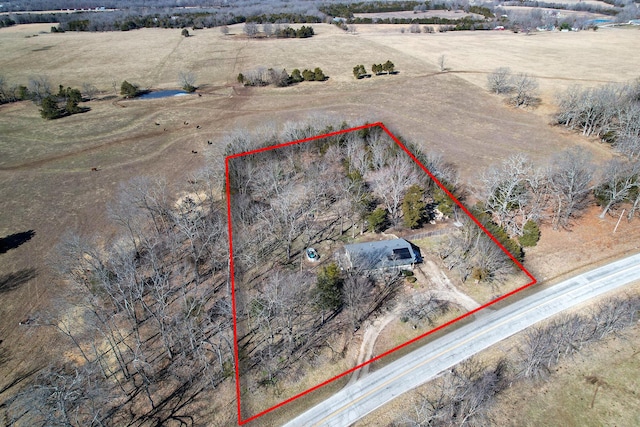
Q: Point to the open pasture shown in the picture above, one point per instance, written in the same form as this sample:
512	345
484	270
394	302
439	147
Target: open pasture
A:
46	179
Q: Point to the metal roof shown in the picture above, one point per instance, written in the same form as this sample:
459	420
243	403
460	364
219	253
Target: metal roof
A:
382	254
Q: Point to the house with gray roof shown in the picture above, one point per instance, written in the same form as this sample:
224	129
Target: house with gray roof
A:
382	255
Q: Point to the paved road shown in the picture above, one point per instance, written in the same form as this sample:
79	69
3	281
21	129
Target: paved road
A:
355	401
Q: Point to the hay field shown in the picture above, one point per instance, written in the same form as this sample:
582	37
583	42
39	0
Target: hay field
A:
46	182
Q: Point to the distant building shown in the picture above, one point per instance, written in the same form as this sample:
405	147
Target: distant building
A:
382	255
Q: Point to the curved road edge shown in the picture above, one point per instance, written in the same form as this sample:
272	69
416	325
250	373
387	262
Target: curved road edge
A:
420	366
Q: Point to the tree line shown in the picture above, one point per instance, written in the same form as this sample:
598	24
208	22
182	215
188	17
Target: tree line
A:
154	15
466	395
263	76
66	101
252	30
53	105
518	192
359	71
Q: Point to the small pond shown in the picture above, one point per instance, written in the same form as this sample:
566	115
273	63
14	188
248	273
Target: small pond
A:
162	94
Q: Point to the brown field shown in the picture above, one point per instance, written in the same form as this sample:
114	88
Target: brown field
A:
560	15
46	182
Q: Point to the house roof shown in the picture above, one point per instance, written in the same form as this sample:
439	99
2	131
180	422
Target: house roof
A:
382	254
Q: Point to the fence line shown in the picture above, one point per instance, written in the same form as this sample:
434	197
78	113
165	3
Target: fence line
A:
430	233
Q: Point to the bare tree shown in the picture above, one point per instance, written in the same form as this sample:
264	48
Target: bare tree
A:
39	88
89	91
391	182
357	295
356	154
570	182
525	91
250	29
514	193
267	29
442	63
460	397
187	80
500	81
628	130
589	110
619	177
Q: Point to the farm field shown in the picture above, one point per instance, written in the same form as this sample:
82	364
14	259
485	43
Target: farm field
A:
47	184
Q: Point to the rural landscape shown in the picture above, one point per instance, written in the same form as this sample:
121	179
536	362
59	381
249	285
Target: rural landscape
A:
221	213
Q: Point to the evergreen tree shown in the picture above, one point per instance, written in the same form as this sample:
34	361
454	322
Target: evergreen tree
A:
319	75
377	220
50	109
304	32
296	77
413	207
531	234
73	98
388	67
308	75
329	287
359	71
128	90
445	203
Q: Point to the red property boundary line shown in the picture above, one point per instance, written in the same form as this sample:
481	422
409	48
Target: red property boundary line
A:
231	266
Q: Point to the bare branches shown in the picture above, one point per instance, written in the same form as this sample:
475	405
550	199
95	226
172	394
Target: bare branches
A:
250	29
390	182
570	177
525	91
514	193
521	88
473	254
465	394
499	81
544	346
461	397
611	112
187	80
619	177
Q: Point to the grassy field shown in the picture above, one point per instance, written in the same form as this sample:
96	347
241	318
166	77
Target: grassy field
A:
46	181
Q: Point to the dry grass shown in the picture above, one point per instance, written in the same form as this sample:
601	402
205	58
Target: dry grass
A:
46	183
564	399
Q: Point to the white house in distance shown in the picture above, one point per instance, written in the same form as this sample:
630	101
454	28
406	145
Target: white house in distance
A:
382	255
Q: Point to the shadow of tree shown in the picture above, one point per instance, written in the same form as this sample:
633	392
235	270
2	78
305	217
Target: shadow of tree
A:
4	355
11	281
12	241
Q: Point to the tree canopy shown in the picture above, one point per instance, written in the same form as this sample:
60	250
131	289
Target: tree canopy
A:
129	90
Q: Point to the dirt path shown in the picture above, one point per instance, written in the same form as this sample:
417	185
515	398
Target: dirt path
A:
440	285
371	333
